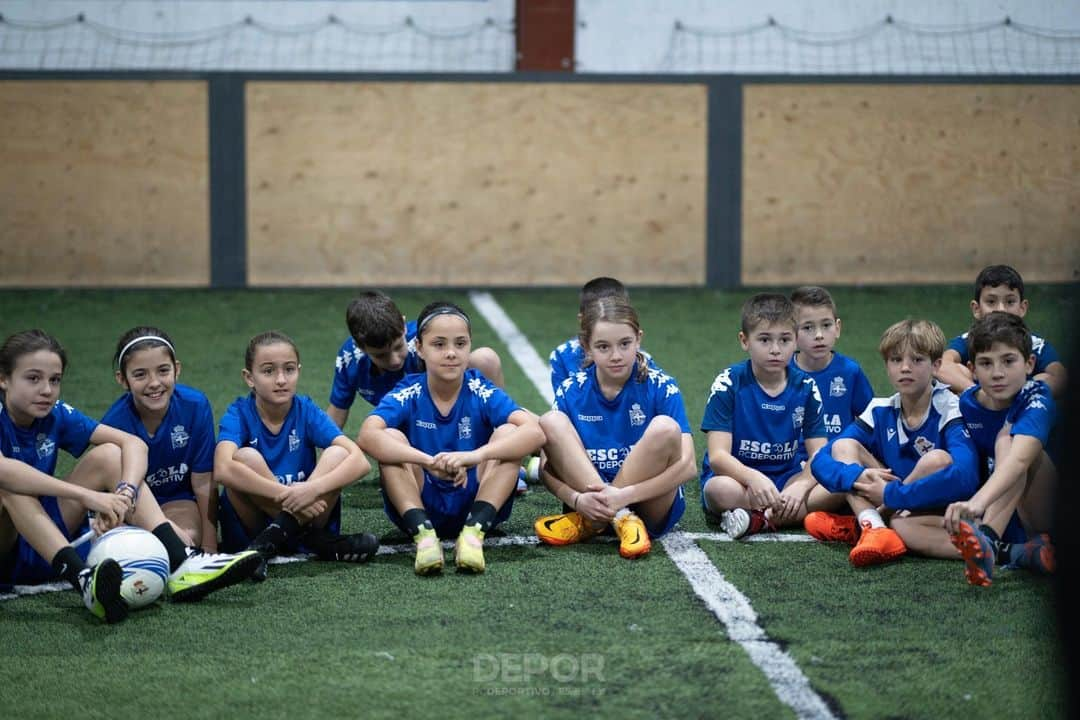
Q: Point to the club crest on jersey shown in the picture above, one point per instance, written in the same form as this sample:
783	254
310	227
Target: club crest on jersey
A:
45	445
294	441
179	437
637	417
922	445
464	428
836	387
797	416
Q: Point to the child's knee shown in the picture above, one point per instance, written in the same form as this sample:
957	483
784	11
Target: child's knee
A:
487	361
934	461
664	428
845	449
104	459
333	456
250	457
554	422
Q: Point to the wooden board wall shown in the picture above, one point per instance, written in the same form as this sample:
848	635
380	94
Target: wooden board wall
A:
475	183
847	184
103	183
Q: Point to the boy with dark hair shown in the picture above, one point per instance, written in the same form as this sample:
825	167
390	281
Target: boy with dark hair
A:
758	414
909	452
1000	288
845	389
380	351
1010	418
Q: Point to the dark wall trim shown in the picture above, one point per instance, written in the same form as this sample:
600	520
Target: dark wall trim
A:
226	120
228	190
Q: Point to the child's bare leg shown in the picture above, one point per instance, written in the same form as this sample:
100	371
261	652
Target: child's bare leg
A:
1037	505
724	493
565	453
185	518
929	464
659	448
925	535
25	516
487	361
497	478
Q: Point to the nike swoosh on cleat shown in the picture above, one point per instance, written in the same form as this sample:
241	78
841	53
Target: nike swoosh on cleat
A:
549	523
637	537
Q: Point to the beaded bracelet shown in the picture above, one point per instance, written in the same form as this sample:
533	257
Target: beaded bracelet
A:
121	486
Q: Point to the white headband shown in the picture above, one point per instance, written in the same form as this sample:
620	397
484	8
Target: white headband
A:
444	310
120	357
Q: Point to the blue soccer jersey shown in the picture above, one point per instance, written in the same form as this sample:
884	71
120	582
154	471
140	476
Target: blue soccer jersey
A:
1044	352
183	443
882	431
568	358
766	431
64	428
609	429
845	392
355	374
290	452
1031	413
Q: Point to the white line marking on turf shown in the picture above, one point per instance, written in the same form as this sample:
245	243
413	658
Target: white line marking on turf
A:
730	606
733	609
535	368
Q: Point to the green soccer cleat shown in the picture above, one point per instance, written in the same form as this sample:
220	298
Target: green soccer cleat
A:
203	573
101	590
429	555
469	550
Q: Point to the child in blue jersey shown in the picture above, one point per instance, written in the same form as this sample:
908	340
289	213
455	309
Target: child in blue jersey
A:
177	424
279	490
909	452
618	446
759	413
845	389
380	352
449	444
34	426
1009	418
1000	288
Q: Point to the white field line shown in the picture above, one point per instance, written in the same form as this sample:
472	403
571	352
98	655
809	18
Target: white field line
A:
521	349
725	601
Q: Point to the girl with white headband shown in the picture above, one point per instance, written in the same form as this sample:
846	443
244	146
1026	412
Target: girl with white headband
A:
449	444
176	422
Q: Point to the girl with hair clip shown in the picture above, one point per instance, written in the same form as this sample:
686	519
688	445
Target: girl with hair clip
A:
34	426
619	446
449	445
284	463
177	424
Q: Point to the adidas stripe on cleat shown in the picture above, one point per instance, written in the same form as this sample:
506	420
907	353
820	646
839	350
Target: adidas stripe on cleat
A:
978	554
633	537
203	573
101	591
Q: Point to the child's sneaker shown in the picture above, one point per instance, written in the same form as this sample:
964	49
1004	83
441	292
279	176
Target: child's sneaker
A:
978	554
740	522
633	537
429	555
469	549
565	529
1037	555
101	590
877	546
203	573
830	527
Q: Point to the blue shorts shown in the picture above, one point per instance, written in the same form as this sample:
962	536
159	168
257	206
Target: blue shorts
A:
235	537
778	480
24	566
447	506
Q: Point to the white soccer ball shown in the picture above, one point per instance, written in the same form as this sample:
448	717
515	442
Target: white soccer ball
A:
142	557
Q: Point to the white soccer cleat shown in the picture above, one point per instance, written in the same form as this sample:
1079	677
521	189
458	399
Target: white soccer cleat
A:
735	522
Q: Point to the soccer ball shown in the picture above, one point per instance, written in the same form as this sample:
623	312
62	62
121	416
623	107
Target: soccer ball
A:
142	557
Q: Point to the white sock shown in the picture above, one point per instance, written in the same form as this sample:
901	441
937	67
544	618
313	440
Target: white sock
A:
622	513
871	517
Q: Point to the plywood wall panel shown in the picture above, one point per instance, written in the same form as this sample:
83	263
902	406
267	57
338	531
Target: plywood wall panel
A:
851	184
103	183
475	183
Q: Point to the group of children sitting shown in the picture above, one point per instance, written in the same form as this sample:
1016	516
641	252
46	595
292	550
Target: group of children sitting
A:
953	465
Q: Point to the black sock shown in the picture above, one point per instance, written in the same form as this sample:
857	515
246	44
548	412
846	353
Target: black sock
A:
416	519
321	542
1001	549
280	533
173	544
481	513
68	565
